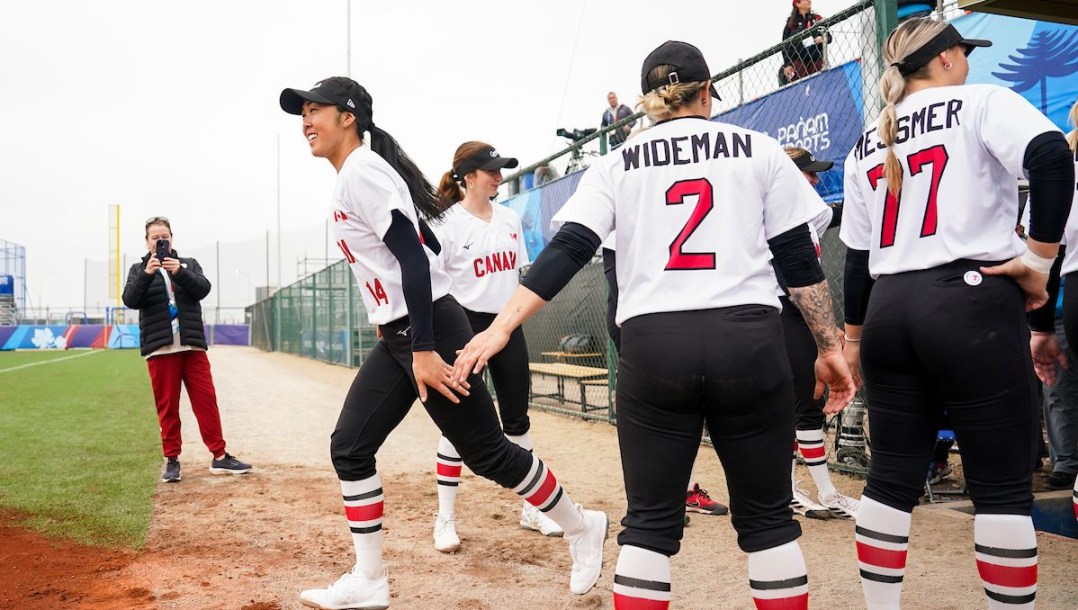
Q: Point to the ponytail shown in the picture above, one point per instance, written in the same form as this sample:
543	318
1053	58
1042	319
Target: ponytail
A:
423	196
661	104
448	191
1072	137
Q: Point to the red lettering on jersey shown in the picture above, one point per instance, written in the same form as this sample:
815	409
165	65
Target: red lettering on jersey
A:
378	293
513	235
489	267
512	260
492	263
937	157
339	216
478	271
347	253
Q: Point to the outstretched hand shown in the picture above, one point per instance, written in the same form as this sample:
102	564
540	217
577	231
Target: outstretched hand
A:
475	355
431	371
1046	353
1032	283
832	371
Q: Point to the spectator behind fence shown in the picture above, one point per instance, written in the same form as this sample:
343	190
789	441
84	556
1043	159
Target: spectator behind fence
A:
613	114
166	289
804	54
544	174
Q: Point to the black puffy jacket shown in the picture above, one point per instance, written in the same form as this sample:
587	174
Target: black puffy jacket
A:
147	294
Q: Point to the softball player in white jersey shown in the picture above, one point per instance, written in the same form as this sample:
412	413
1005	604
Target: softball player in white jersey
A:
482	251
931	203
699	208
406	293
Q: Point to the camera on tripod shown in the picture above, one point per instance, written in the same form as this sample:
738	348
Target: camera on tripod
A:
576	135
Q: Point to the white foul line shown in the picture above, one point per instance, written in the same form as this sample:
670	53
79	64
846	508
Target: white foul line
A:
23	366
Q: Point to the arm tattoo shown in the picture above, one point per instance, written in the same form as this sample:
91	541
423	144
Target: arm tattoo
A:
815	304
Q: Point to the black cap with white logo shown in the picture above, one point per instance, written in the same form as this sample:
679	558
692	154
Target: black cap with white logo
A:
336	91
486	158
686	61
808	163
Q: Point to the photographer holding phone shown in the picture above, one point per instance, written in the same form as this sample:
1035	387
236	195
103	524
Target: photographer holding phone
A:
166	289
804	53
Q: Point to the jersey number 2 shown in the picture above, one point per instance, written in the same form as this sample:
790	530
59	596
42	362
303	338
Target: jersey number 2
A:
936	156
675	195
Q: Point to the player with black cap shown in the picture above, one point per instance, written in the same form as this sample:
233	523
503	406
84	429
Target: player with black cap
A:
482	251
393	258
931	201
699	207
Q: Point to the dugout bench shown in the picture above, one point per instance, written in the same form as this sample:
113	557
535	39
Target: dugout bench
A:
583	376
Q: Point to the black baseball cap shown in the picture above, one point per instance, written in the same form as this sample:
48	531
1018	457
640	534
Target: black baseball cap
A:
336	91
686	61
808	163
486	158
946	39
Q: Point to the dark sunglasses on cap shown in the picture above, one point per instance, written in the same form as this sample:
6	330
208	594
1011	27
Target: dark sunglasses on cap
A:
153	220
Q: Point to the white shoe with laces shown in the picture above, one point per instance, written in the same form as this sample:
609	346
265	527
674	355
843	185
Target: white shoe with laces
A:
445	534
587	551
802	505
843	507
532	518
351	592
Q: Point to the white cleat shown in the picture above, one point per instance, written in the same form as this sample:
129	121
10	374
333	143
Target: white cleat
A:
445	534
802	505
843	507
350	592
587	551
532	518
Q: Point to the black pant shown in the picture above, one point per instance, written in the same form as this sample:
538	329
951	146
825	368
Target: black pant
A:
610	271
384	390
1070	309
510	374
933	343
723	367
802	352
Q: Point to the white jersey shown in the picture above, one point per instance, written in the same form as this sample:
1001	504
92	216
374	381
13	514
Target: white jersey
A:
368	190
1070	233
961	150
482	257
694	203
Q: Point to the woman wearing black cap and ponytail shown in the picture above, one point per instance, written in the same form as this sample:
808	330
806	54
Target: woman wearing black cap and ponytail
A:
392	255
931	199
482	251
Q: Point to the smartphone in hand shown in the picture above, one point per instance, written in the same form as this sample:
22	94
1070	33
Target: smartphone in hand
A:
162	249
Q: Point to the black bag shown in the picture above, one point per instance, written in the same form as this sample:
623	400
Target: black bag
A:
577	343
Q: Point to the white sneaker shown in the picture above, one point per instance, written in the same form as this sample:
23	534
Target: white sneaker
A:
532	518
445	534
351	591
802	505
587	551
843	507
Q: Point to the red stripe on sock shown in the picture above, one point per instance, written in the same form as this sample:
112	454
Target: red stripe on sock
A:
881	558
446	470
367	512
799	602
625	602
795	446
1007	576
812	452
542	494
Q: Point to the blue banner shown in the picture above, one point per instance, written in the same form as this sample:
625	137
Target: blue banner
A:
822	114
536	207
7	284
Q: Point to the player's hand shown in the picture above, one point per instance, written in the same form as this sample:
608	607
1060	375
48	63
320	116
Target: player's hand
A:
478	352
171	265
1046	354
818	39
832	371
851	353
152	265
1032	283
431	371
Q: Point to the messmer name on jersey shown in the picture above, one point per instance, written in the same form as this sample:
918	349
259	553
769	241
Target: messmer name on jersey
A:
683	150
933	117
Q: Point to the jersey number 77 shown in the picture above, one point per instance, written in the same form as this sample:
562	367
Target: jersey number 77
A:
936	156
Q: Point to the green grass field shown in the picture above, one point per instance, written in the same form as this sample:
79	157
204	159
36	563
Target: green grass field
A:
80	451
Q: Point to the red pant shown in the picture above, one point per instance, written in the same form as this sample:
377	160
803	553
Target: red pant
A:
192	368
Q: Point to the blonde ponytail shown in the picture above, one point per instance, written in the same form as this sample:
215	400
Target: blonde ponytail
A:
1072	137
661	104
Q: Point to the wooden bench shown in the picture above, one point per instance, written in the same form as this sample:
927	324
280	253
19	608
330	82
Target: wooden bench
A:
582	375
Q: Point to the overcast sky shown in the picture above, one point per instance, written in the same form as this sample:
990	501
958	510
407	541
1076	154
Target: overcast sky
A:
171	108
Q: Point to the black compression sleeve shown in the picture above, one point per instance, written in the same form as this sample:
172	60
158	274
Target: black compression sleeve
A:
836	215
403	241
566	254
430	240
1043	319
1050	166
795	257
857	286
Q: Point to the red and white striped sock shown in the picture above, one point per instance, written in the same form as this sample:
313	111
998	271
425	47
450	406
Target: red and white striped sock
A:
524	441
540	489
641	580
778	578
363	506
1006	550
810	442
1075	499
449	467
883	538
